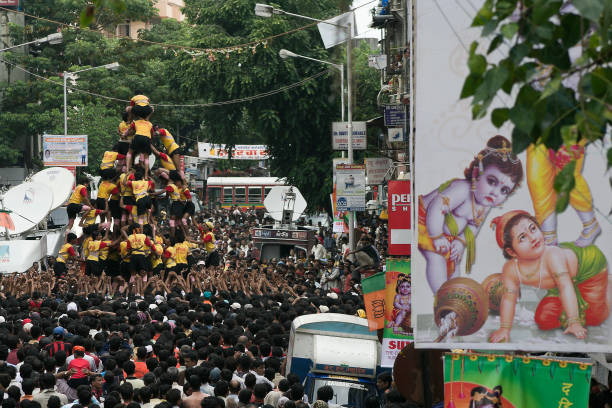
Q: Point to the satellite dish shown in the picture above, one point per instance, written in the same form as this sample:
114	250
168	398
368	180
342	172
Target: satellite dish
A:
151	160
59	179
275	200
28	203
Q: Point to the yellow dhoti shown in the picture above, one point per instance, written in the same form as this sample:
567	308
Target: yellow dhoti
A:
543	165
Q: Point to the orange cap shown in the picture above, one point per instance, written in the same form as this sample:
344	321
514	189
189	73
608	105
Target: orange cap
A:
499	224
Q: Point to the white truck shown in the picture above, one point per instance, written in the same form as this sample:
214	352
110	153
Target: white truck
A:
336	350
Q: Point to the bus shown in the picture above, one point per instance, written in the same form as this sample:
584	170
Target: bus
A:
244	192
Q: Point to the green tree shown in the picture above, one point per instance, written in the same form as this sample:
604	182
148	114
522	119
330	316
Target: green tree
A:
559	99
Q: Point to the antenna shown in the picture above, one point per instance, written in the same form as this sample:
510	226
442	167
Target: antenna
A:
285	204
59	179
24	206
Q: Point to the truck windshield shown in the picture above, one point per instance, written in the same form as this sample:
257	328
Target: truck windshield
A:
346	393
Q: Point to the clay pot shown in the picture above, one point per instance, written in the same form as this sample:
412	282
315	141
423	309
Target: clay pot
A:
494	287
468	299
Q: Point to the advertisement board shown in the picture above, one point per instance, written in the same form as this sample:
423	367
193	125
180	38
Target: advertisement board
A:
395	115
350	187
60	150
496	266
239	152
399	210
9	3
340	136
376	169
397	332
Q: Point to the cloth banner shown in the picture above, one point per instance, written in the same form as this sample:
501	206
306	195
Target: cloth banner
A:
239	152
374	299
59	150
490	381
397	333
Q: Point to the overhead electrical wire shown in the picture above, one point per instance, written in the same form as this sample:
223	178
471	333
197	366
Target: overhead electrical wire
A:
191	105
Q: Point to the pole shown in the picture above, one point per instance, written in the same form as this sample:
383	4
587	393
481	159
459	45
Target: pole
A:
65	104
349	78
342	90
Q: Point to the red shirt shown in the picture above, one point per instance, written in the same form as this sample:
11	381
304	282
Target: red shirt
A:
79	364
141	369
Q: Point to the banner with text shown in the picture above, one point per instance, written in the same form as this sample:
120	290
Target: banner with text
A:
239	152
397	333
340	223
350	187
60	150
376	169
399	213
340	136
479	380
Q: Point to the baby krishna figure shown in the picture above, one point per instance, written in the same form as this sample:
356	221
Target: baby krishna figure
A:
576	278
401	304
451	215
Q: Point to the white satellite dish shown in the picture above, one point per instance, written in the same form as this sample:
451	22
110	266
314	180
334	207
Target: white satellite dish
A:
28	203
151	160
275	200
59	179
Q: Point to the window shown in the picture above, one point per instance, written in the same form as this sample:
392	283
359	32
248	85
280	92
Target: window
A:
123	30
228	196
214	195
240	195
266	191
255	195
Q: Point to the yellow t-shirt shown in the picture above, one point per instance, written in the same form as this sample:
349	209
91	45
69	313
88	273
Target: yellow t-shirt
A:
85	247
105	188
63	254
94	250
76	197
90	217
108	160
171	261
124	190
137	243
182	250
123	251
175	194
168	140
167	164
143	127
139	188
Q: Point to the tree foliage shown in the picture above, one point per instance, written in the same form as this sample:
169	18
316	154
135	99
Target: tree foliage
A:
556	60
295	124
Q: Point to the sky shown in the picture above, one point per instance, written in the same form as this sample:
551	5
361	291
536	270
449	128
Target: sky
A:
364	18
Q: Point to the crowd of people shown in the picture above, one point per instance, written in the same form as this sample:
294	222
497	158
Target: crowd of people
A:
154	305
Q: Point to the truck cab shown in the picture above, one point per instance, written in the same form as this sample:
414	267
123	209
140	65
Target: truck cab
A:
336	350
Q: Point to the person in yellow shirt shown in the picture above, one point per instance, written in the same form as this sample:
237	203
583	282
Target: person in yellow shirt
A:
182	248
126	198
173	191
169	256
95	247
142	129
140	190
188	208
78	201
208	239
105	190
157	249
107	166
168	170
65	253
139	246
124	141
173	150
125	266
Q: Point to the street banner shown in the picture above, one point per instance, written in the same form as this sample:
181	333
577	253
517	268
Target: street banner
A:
374	298
397	333
340	218
350	187
376	169
496	267
398	213
395	116
340	136
332	31
60	150
239	152
489	380
9	3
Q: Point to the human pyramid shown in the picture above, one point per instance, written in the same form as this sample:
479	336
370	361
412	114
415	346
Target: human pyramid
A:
126	245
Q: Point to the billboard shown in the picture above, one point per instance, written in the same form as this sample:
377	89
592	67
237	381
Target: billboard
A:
239	152
340	136
399	209
9	3
350	187
60	150
495	266
376	169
